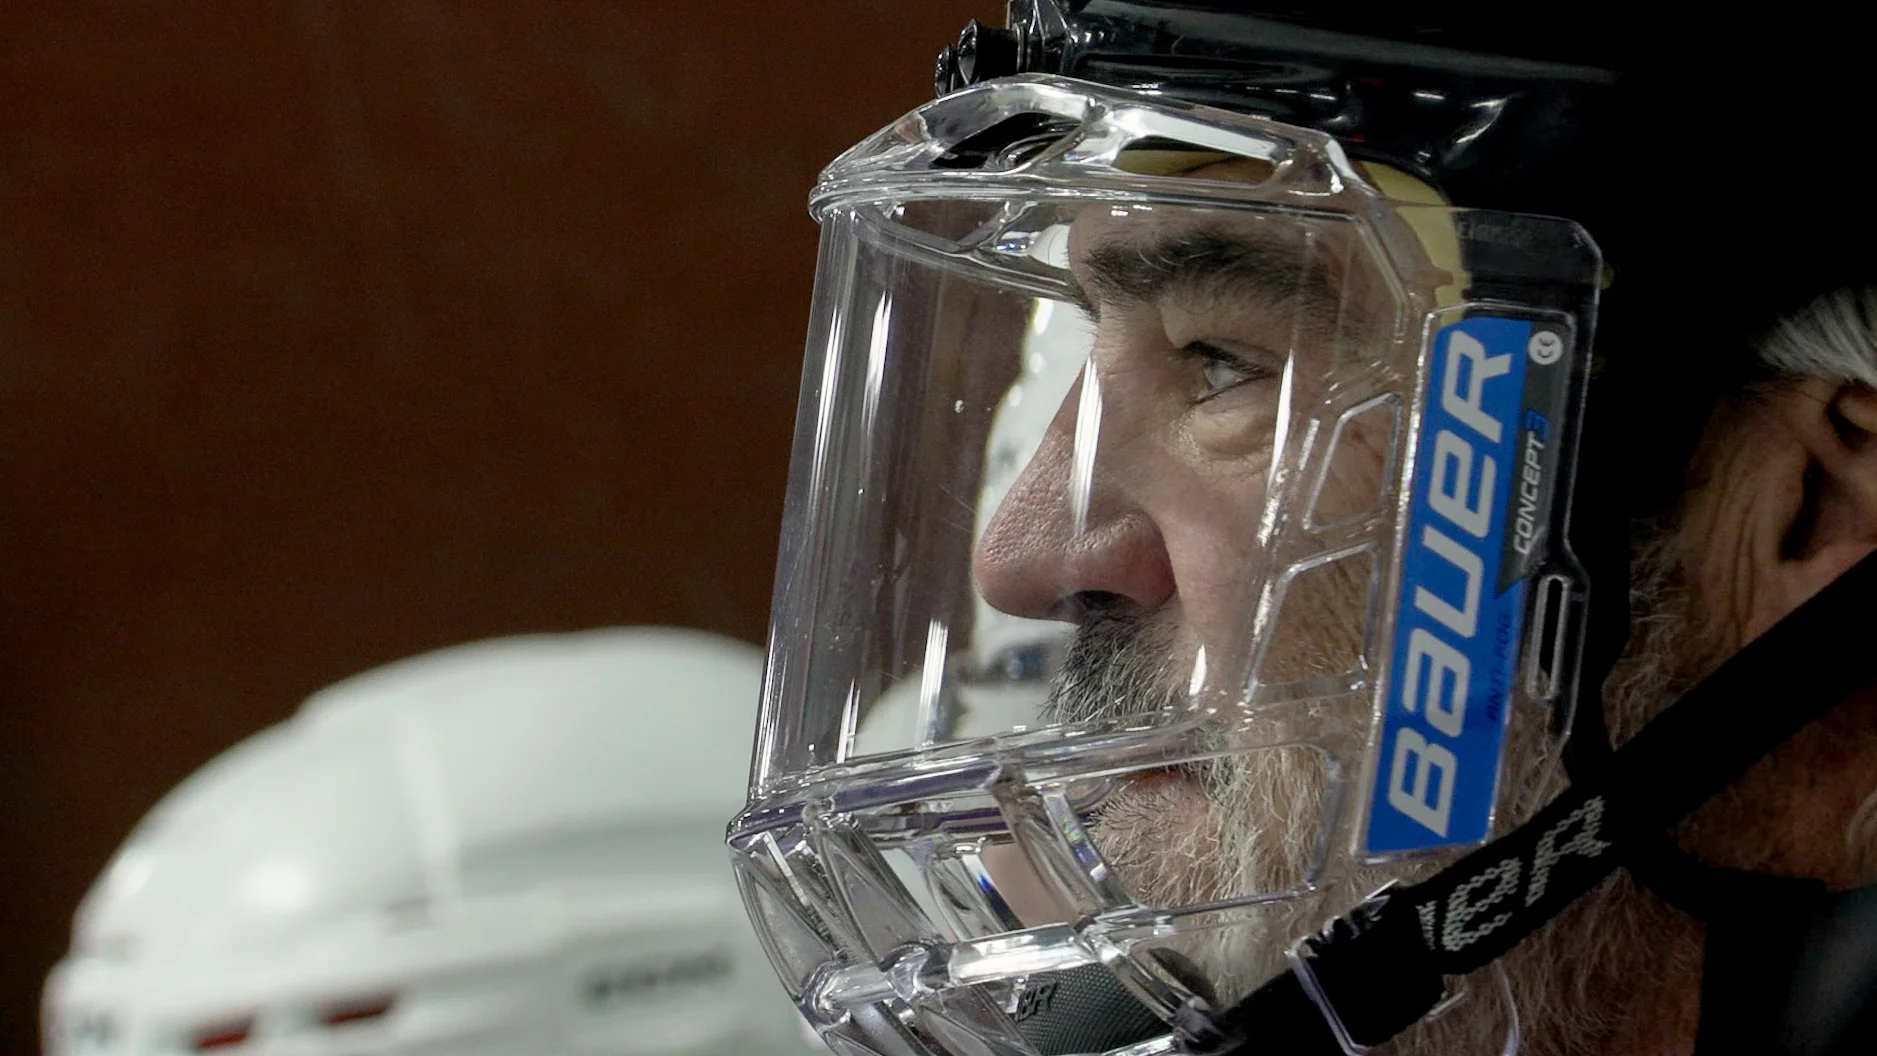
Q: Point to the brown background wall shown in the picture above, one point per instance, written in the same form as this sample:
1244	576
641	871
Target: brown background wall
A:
331	332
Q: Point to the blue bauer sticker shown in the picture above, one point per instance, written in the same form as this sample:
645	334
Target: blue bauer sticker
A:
1457	626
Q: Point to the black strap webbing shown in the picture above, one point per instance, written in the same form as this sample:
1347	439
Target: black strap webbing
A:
1478	908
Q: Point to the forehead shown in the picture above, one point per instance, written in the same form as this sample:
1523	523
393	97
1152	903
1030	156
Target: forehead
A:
1105	224
1121	253
1109	229
1136	255
1115	249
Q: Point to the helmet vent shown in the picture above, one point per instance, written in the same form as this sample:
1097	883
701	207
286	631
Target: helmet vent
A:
1006	144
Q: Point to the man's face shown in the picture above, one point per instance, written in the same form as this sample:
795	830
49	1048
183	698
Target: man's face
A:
1142	519
1145	502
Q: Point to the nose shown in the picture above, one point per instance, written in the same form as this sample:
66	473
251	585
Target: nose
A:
1070	530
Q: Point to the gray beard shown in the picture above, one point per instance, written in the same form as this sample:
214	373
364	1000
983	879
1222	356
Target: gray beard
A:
1117	664
1571	983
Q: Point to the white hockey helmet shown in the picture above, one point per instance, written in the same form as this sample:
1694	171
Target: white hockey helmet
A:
510	847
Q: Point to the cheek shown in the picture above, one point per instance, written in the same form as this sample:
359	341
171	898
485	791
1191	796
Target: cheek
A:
1209	516
1209	520
1732	530
1237	425
1355	481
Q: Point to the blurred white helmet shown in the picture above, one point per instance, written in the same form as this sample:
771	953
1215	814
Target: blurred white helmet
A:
511	847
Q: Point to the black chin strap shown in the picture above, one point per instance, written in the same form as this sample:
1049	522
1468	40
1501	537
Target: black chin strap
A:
1378	971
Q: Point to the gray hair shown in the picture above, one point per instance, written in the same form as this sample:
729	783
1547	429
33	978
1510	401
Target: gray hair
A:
1834	336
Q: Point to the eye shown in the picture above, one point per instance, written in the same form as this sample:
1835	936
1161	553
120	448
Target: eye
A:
1224	370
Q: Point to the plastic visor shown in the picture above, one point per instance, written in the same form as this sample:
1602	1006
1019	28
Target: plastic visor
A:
1173	553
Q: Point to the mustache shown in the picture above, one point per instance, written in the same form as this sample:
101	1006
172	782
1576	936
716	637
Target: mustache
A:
1119	664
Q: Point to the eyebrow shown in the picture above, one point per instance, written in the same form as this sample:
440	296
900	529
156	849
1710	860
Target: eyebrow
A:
1207	262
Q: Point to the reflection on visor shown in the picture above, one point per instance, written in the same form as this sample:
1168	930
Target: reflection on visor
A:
1090	621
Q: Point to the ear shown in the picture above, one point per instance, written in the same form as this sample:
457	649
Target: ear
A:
1799	503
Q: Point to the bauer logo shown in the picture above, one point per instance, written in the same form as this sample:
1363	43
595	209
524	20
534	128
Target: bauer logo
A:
1456	632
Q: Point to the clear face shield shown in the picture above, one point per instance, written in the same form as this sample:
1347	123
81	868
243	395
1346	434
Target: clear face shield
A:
1173	556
